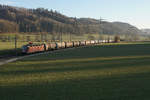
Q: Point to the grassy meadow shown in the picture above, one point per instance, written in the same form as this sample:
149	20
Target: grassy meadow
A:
102	72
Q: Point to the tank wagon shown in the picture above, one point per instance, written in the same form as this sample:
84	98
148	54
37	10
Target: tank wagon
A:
34	48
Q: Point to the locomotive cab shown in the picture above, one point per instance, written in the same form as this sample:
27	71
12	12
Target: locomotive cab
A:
24	49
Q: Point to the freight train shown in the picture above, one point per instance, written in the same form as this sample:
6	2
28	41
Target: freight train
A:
34	48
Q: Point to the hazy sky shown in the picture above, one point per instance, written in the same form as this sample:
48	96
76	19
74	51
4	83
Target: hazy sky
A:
135	12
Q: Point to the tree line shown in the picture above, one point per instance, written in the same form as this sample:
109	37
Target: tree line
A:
40	20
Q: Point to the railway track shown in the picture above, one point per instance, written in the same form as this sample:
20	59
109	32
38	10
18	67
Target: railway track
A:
10	59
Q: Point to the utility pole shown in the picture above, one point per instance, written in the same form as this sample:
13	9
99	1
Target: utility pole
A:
61	32
74	30
61	37
70	36
101	31
16	44
71	32
100	22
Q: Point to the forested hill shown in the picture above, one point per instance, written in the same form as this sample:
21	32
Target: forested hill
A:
14	19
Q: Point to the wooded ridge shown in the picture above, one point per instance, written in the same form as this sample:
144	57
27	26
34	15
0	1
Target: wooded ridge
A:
17	20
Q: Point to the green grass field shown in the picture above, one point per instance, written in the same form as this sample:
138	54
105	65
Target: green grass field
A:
104	72
8	48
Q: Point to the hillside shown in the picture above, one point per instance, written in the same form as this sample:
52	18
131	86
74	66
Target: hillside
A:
15	19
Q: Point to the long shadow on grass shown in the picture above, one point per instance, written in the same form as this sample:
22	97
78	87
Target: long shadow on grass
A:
82	60
120	87
8	53
76	66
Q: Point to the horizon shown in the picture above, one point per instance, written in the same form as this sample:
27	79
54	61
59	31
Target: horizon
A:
132	12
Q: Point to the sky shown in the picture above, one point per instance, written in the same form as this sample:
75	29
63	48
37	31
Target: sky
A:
135	12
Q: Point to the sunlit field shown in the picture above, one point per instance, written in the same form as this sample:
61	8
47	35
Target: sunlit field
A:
102	72
11	45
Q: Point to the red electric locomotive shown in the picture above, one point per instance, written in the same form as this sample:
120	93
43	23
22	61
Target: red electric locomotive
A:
33	48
